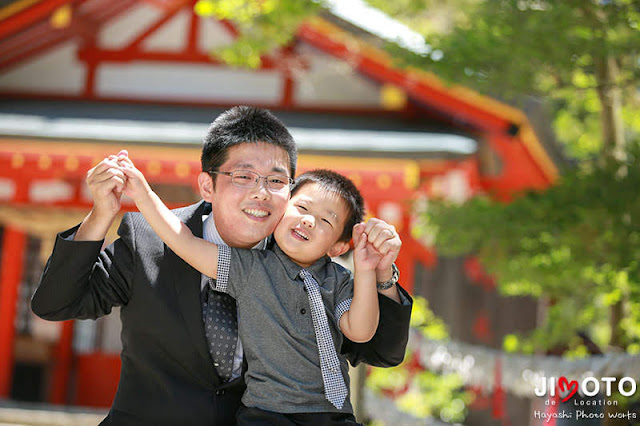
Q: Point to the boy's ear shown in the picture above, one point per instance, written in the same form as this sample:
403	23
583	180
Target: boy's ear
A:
339	248
205	184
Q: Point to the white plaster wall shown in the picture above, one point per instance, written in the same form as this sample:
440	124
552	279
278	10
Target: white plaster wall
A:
172	36
123	29
187	82
54	72
329	81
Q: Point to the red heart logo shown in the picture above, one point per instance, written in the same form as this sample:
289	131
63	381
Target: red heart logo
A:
565	386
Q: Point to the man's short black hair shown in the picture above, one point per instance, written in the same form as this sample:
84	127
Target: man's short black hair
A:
346	190
242	124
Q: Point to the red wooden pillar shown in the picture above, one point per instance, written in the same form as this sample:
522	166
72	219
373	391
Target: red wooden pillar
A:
59	390
11	267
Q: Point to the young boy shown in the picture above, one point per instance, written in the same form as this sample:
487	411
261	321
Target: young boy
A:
291	299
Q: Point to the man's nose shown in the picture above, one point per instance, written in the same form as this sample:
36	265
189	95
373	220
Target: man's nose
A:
261	190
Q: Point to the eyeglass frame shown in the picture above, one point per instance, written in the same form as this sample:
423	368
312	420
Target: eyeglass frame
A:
255	181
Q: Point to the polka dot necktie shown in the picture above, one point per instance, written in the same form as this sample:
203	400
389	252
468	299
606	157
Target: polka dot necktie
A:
221	329
335	389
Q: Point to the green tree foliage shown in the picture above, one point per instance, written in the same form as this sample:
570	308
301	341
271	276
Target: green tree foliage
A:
575	245
582	55
263	25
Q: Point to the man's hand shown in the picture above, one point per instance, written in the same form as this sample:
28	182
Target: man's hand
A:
106	182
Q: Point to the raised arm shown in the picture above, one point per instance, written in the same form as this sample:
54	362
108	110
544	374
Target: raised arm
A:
388	345
360	322
80	280
197	252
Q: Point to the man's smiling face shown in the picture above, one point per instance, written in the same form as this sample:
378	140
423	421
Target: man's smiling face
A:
244	216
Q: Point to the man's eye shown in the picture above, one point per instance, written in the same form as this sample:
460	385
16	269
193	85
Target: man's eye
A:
278	180
244	177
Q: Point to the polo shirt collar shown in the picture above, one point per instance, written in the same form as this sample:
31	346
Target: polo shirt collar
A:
293	269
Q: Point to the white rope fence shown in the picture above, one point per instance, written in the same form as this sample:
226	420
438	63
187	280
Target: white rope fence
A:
520	374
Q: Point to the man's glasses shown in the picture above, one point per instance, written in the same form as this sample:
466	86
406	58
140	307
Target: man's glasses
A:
249	179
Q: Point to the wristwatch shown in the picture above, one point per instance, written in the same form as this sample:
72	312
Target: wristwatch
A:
393	280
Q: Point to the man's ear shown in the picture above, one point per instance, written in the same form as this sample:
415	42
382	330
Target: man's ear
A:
339	248
205	184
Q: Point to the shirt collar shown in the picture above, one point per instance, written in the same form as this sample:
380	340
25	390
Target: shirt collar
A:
293	269
211	234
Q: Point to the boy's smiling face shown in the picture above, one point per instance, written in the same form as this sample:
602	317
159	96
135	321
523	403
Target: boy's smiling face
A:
312	225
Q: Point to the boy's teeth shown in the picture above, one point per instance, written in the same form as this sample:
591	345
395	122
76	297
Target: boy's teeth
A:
301	234
256	213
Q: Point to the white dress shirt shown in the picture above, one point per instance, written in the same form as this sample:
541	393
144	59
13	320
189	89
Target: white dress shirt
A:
210	233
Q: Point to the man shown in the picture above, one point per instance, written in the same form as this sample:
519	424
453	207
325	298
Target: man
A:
168	375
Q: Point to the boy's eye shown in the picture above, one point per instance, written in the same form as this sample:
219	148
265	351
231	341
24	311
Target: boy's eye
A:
301	207
327	221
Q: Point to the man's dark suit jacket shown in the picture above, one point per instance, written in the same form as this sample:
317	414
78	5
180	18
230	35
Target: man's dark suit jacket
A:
167	375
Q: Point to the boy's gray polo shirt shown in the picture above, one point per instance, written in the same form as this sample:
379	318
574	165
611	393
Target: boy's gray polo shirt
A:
276	329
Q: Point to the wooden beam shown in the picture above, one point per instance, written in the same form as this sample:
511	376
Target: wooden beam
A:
42	37
135	44
29	16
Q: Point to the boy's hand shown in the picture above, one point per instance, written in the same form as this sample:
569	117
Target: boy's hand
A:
137	186
365	255
386	241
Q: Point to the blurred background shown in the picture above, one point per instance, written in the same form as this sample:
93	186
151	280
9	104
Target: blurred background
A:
499	137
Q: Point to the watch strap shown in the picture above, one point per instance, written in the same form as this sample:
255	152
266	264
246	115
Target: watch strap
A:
385	285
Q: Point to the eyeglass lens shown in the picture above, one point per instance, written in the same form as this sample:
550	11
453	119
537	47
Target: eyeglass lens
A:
249	179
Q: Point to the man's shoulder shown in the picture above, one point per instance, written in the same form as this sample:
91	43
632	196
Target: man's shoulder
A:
201	208
185	212
137	221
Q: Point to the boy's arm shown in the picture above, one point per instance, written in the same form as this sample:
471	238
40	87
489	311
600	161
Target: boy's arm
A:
360	322
385	239
197	252
388	345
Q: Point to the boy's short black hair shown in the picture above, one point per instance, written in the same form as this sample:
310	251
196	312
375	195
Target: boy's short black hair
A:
242	124
346	190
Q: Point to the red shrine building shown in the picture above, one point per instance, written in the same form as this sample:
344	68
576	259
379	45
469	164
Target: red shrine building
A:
80	80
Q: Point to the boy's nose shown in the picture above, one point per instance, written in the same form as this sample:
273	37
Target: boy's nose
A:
309	221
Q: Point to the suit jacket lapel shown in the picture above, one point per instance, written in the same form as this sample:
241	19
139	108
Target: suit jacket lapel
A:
187	281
